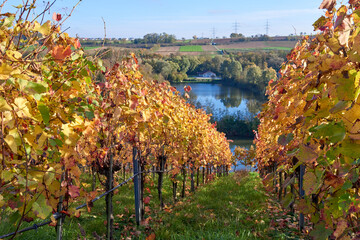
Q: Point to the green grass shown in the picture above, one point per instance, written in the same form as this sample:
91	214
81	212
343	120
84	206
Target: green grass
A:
195	48
231	207
221	210
93	222
90	47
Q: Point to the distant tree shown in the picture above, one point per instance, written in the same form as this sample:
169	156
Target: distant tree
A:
235	70
231	70
267	75
274	61
146	70
225	70
158	65
183	62
264	37
215	64
156	38
194	62
237	35
253	74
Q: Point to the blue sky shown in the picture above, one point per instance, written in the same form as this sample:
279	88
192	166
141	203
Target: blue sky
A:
186	18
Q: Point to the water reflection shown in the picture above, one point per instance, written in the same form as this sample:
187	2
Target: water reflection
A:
222	98
244	143
254	106
223	101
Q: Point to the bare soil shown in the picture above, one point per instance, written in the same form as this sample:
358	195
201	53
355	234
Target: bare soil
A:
258	44
210	49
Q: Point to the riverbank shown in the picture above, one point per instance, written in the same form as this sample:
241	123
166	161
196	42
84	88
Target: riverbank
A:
251	88
201	80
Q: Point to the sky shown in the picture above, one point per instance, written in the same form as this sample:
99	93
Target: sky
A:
186	18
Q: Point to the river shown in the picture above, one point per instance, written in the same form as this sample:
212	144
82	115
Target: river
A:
224	99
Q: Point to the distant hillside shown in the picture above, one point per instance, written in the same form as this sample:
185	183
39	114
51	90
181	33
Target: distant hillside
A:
223	46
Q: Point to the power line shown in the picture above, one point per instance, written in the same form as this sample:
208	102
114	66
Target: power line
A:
213	32
267	27
235	26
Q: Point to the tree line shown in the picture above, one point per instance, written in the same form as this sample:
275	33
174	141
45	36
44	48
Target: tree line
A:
156	38
252	69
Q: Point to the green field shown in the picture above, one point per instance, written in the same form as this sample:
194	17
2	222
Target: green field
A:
90	47
195	48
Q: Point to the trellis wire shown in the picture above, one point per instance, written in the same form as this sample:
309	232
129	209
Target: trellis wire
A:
58	215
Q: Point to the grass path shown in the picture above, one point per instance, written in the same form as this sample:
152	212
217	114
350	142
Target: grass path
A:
230	207
234	207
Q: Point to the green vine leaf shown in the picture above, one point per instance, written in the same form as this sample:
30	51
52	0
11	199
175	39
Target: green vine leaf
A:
45	113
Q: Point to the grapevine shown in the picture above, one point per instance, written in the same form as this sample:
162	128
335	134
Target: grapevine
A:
312	119
58	124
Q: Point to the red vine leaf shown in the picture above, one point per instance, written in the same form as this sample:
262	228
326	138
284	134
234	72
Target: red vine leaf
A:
74	191
60	53
147	200
77	44
56	16
328	4
187	88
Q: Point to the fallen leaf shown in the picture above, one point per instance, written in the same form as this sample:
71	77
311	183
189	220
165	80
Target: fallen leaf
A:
147	200
151	237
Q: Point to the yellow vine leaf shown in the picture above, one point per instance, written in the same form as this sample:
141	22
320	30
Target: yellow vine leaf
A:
2	202
5	71
49	176
22	107
72	137
7	175
10	140
3	105
44	29
13	55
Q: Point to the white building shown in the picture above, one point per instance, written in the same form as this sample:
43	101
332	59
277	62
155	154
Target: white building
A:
207	74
